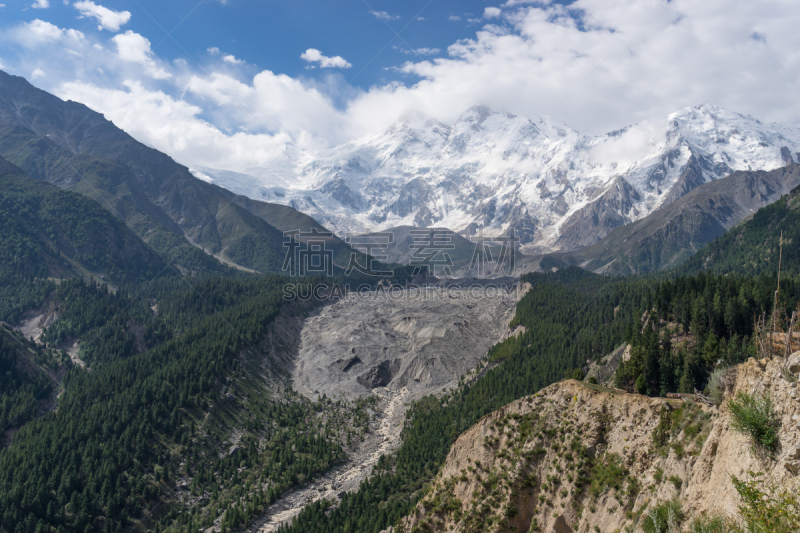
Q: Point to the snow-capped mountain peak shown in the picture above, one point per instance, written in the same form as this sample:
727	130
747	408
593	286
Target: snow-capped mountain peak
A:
492	171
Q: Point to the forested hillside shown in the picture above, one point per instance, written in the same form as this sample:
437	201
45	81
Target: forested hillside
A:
28	377
48	232
753	247
570	317
141	425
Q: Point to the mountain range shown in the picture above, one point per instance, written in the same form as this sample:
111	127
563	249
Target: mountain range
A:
177	395
634	200
490	171
176	214
673	234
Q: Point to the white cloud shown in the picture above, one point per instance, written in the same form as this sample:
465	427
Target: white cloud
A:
597	65
132	47
383	15
600	65
107	18
228	58
136	48
492	12
37	73
213	50
419	51
38	32
454	18
277	110
312	55
41	4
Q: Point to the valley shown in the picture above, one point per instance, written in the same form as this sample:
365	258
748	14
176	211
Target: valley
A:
178	354
429	337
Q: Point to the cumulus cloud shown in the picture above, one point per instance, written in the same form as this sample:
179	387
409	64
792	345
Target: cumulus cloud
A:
41	4
597	65
268	117
604	64
312	55
132	47
135	48
213	50
106	18
229	58
383	15
37	73
492	12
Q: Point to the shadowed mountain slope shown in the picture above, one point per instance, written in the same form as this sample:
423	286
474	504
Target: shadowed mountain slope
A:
180	216
671	235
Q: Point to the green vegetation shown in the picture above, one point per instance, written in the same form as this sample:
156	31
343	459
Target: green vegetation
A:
50	232
183	420
143	422
766	508
663	518
709	524
754	416
25	379
571	316
608	473
676	482
693	324
681	430
752	248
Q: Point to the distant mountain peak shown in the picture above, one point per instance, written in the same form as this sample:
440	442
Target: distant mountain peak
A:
494	171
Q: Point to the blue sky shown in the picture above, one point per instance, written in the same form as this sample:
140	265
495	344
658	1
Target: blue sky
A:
272	34
241	82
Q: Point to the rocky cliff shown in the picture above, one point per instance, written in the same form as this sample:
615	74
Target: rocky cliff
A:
579	458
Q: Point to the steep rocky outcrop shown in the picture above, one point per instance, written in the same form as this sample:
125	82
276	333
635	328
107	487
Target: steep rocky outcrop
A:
582	458
614	208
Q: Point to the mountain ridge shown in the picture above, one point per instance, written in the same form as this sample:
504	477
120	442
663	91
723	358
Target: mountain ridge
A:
49	232
177	214
492	171
668	237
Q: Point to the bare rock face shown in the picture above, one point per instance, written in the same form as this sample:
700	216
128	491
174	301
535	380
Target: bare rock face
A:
793	363
584	458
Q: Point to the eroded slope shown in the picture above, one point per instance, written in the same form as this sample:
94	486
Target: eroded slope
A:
583	458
